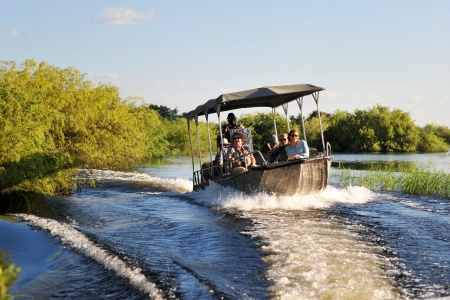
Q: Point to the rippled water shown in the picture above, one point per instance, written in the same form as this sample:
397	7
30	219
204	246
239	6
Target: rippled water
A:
147	235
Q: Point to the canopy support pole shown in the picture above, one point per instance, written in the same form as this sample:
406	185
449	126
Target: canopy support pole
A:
316	99
217	107
274	121
209	134
300	105
198	141
190	143
285	108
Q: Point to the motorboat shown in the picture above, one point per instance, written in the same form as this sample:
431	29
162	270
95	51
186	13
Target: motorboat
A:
302	176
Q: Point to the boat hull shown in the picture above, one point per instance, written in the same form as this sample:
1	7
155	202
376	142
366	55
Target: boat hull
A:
300	177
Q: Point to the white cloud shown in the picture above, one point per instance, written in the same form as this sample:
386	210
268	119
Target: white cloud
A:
14	32
124	16
33	35
102	75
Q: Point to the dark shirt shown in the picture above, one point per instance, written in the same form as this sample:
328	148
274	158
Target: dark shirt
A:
265	151
278	154
226	130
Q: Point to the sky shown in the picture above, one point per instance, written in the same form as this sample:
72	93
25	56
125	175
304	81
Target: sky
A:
395	53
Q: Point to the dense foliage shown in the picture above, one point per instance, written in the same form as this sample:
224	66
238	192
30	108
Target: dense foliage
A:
380	130
53	121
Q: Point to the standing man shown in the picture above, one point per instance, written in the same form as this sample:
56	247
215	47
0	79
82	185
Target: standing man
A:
231	125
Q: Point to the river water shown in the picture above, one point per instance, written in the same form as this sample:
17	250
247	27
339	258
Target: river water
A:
146	235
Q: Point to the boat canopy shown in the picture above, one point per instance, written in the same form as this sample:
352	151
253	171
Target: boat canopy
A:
269	96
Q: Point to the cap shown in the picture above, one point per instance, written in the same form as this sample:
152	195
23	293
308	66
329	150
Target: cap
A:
272	138
231	117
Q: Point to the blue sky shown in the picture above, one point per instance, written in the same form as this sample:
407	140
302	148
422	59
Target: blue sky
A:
181	53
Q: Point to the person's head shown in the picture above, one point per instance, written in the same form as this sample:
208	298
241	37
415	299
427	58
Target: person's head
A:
272	140
293	135
231	119
284	138
238	139
226	143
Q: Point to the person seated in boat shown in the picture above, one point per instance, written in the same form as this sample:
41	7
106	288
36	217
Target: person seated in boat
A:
232	124
222	152
270	145
221	156
296	148
238	156
279	153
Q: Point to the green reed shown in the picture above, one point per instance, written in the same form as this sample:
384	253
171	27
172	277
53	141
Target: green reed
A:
411	180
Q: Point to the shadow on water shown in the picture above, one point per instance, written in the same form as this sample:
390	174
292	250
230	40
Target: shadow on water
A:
32	204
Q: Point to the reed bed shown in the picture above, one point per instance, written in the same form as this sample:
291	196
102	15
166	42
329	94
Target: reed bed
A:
416	181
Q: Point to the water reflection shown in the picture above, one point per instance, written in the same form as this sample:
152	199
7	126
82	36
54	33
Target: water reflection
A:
393	161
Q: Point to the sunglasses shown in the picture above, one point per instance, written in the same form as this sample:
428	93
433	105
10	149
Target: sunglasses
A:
237	138
282	139
294	135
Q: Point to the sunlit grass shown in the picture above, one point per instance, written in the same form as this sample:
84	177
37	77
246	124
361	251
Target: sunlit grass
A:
416	181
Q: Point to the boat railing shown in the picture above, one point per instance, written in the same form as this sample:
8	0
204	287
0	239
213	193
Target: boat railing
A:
328	149
212	171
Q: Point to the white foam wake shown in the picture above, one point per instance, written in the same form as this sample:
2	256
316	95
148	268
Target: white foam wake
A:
229	198
79	242
181	185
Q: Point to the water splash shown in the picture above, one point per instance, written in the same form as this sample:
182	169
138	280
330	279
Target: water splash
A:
310	254
229	198
76	240
137	180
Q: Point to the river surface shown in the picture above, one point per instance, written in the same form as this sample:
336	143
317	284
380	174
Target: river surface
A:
146	234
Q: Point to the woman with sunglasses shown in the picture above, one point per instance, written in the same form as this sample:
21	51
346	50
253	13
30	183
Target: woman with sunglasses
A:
279	154
296	148
238	156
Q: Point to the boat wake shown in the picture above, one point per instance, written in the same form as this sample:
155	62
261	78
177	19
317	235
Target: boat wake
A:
71	237
306	247
135	180
227	198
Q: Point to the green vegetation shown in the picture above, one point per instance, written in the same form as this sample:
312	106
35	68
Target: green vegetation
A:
416	181
8	273
382	130
53	122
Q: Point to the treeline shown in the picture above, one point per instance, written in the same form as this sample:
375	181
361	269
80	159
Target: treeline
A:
378	129
53	121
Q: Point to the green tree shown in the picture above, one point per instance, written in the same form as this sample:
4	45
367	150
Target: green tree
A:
261	125
373	130
165	112
438	130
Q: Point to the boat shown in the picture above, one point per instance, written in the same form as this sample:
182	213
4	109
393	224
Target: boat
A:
292	177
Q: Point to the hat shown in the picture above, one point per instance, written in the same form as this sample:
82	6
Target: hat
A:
225	141
244	139
231	116
272	138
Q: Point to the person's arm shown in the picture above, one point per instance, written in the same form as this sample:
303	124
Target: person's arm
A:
306	149
253	160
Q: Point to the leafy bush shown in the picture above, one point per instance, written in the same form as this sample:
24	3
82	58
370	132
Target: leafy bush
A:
8	274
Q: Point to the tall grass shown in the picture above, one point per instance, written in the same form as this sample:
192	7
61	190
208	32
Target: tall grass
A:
416	181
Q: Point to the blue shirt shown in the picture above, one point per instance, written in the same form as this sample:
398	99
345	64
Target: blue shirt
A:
300	149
